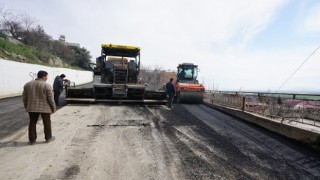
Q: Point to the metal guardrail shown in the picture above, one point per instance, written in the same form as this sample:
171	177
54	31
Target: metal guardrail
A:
303	108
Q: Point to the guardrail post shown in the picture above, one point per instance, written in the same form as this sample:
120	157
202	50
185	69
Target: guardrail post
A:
212	98
243	106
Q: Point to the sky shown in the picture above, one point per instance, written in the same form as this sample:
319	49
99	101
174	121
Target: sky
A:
247	45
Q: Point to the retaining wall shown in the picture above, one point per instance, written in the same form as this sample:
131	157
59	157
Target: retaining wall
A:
306	136
14	75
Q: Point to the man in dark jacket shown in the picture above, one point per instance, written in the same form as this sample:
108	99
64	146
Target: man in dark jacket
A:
171	91
58	88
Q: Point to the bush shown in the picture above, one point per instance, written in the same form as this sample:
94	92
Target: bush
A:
2	35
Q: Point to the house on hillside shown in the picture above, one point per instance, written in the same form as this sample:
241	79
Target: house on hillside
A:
62	39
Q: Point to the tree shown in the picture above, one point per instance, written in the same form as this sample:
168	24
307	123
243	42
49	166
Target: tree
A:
1	13
27	21
13	27
82	57
11	23
20	27
37	38
14	24
61	50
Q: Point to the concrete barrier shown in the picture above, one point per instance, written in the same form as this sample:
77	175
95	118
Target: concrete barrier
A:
14	75
307	136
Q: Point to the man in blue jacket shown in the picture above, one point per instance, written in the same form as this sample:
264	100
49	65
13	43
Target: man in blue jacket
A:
58	88
171	91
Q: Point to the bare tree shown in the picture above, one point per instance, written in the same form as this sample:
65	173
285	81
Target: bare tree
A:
151	74
158	67
145	67
27	21
21	27
15	24
11	23
14	28
1	13
37	38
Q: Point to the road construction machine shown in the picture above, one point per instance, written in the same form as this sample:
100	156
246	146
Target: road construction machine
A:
118	68
188	88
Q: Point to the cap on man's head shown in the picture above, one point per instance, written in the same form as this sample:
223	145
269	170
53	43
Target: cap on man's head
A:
62	76
171	79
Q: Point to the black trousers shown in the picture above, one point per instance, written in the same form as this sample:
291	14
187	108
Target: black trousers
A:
33	125
57	97
170	99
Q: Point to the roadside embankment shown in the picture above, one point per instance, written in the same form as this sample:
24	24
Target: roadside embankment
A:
308	135
13	76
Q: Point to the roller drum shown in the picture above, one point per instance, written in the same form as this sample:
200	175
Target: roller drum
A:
192	97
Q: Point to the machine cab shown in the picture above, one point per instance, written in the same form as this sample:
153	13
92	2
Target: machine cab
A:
187	73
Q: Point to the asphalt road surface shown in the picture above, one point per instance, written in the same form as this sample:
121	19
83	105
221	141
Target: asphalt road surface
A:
98	141
14	117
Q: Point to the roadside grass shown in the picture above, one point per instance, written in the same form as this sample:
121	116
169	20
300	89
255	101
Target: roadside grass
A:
23	53
9	50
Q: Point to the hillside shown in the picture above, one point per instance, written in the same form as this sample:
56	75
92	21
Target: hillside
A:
12	49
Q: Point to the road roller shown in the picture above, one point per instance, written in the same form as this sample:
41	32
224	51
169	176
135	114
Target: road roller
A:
188	88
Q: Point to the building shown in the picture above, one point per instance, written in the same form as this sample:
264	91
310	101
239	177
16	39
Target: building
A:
62	39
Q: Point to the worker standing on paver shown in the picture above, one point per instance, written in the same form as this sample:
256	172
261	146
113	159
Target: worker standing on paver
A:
58	88
38	100
171	91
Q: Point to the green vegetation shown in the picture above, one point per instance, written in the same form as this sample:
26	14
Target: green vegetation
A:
308	97
297	96
22	53
23	42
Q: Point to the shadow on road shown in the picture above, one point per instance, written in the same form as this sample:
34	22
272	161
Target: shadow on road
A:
7	144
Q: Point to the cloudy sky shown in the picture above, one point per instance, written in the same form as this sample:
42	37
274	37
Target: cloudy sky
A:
238	44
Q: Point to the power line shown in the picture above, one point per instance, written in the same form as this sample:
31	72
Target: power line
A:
298	68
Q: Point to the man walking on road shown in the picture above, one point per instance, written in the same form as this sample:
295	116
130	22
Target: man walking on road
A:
58	88
38	100
171	91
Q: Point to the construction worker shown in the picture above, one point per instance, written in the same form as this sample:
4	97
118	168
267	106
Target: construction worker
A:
182	74
58	88
171	92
